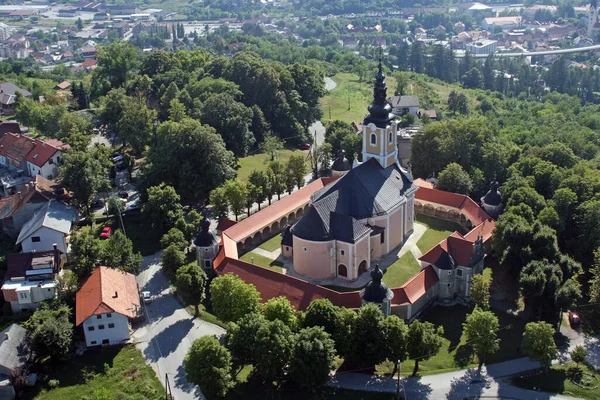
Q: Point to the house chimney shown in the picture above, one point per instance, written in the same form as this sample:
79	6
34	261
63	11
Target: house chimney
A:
56	257
116	294
20	195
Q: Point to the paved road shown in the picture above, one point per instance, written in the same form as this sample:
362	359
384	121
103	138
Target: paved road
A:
169	331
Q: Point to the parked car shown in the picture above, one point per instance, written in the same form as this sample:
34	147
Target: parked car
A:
106	232
135	206
98	203
147	297
304	146
574	318
123	195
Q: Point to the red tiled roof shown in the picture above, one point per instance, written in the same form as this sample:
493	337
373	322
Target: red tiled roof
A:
63	85
89	63
272	284
414	289
15	146
42	152
225	224
275	211
107	290
485	229
422	183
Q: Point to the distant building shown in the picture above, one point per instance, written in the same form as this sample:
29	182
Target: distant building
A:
483	46
101	16
8	95
51	225
504	22
402	105
5	31
67	13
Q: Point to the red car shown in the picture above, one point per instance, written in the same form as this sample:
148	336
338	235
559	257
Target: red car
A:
305	146
574	318
106	232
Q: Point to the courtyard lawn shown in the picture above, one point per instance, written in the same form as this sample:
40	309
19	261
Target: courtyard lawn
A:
260	162
110	373
262	261
401	271
437	230
452	318
272	244
350	98
559	380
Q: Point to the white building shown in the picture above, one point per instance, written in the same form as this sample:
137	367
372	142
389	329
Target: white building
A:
31	278
43	159
402	105
105	304
5	31
51	225
504	22
483	46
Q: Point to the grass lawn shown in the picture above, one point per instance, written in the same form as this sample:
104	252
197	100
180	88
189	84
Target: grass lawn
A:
111	373
260	162
452	318
272	244
437	230
262	261
401	271
207	316
349	90
558	380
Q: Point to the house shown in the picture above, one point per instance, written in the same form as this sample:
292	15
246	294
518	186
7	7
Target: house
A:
14	149
404	104
16	46
14	350
51	225
101	16
505	23
18	208
89	64
8	95
44	158
31	279
482	46
121	10
64	85
105	305
67	13
88	52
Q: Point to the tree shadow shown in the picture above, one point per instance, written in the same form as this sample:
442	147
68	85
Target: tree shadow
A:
182	383
470	385
463	355
168	340
413	388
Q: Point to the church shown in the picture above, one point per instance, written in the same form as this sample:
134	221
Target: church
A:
364	214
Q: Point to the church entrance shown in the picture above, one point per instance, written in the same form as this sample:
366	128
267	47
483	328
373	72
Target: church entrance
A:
362	267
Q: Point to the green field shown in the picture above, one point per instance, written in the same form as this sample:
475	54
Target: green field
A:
437	230
260	162
558	380
257	259
110	373
401	271
272	244
350	98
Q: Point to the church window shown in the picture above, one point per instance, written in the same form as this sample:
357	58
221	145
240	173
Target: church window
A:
391	137
373	139
459	272
381	238
342	270
342	252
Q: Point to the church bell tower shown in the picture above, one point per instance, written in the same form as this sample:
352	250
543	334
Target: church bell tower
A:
380	127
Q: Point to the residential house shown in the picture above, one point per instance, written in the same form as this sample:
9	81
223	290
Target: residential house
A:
89	64
52	224
483	46
14	148
14	355
67	13
101	16
105	305
16	46
121	10
31	279
404	104
44	158
18	208
8	96
9	126
5	31
64	85
88	52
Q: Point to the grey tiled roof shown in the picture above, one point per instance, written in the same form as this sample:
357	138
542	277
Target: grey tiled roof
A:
13	351
53	215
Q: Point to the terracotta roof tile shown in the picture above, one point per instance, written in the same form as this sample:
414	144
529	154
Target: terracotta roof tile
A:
225	224
41	153
107	290
485	229
414	289
16	146
464	203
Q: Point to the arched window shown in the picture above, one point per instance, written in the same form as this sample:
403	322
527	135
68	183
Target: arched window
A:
373	139
342	270
391	137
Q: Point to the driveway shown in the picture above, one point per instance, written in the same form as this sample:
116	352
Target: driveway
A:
168	331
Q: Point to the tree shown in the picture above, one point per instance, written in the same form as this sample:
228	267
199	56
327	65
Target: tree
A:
480	291
111	108
162	208
271	146
68	285
594	282
241	338
219	201
190	281
337	321
232	298
208	365
396	334
455	179
297	169
177	111
335	134
578	354
51	332
236	194
118	253
274	346
172	259
538	343
260	182
480	328
277	173
312	359
136	124
368	336
85	250
423	342
115	205
83	174
115	62
473	79
176	237
280	308
458	102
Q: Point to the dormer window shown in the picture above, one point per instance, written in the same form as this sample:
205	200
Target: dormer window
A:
35	156
373	139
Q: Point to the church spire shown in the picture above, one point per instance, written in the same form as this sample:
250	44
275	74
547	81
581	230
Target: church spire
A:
380	112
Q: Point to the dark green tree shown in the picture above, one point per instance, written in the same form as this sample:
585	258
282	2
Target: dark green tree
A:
190	281
208	365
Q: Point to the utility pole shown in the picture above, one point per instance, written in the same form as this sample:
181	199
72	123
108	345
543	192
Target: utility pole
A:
398	383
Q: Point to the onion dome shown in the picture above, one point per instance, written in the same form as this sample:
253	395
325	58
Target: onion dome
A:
205	237
492	197
376	291
341	163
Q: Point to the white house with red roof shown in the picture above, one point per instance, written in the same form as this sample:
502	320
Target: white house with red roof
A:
105	305
43	159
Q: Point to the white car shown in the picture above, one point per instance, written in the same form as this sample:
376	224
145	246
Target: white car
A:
147	297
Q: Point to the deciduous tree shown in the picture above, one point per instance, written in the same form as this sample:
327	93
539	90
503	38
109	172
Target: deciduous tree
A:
480	291
172	259
312	359
232	298
241	338
176	237
190	281
83	175
538	342
280	308
368	336
455	179
271	146
274	346
480	328
85	250
208	365
219	202
424	341
118	253
578	354
51	332
396	335
236	194
297	169
162	208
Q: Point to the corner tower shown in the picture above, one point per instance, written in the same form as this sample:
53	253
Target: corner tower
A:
380	127
592	18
